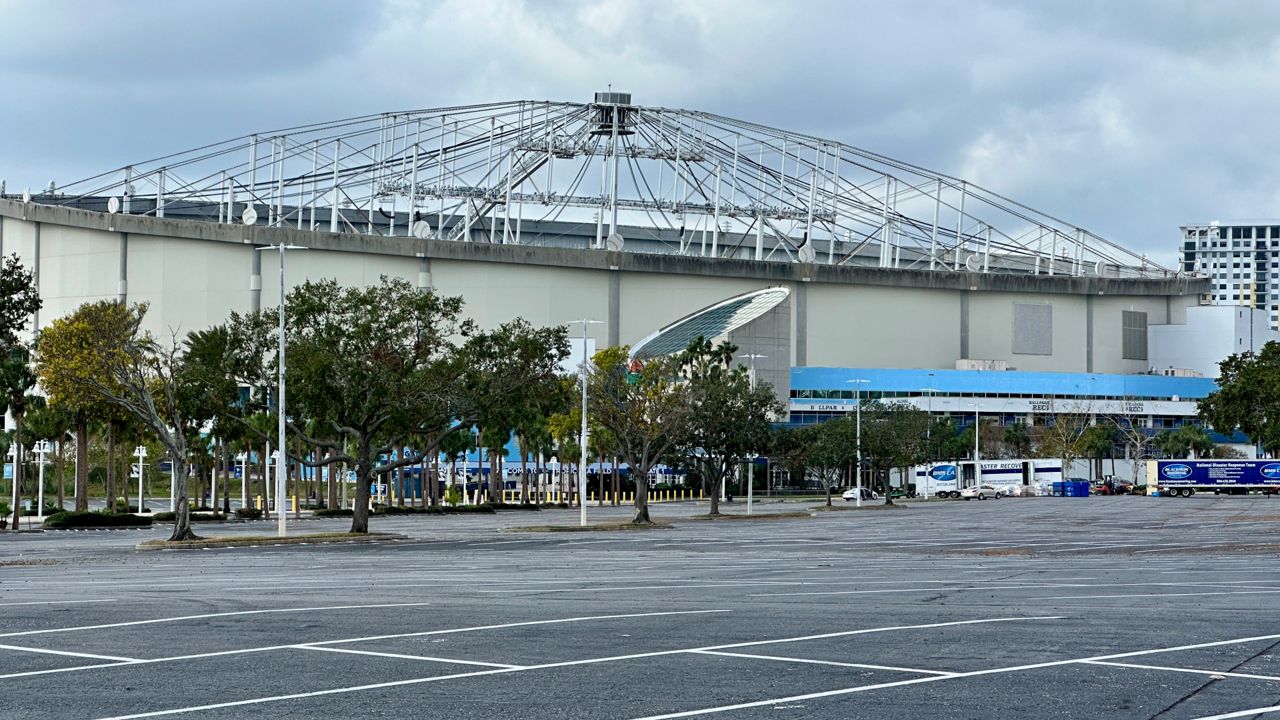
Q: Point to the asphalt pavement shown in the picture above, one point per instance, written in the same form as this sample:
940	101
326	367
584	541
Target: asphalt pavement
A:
1103	607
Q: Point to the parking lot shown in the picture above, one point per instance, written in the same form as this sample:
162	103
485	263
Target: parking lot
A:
1111	607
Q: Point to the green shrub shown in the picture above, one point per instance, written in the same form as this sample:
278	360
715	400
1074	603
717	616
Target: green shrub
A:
396	510
453	495
336	512
195	517
70	519
249	513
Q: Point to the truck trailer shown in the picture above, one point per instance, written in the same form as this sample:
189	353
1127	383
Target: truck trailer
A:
1010	477
1184	478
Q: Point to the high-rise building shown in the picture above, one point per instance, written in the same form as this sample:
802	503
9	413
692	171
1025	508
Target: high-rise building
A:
1241	258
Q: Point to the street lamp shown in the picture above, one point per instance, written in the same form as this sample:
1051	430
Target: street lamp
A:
140	452
280	406
13	453
857	390
244	478
751	469
582	458
42	449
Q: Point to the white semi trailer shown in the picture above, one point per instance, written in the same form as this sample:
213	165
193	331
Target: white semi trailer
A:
1184	478
1023	476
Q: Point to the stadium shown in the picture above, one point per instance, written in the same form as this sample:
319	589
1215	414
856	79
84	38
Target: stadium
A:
840	273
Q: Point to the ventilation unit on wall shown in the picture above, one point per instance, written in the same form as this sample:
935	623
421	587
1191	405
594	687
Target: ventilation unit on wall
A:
970	364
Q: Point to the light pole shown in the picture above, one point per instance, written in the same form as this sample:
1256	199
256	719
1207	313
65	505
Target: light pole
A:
140	452
42	449
582	458
857	391
751	469
13	453
283	462
244	479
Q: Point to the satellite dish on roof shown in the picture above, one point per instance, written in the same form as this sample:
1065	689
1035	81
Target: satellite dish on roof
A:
1099	268
26	195
973	263
249	216
420	229
113	204
806	253
613	242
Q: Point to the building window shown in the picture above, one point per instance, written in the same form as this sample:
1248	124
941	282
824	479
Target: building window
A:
1133	335
1032	329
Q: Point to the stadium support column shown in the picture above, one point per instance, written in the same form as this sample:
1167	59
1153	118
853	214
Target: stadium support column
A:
35	273
964	324
615	312
1088	333
255	279
122	285
802	323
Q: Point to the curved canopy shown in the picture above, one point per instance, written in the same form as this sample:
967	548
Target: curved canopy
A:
709	322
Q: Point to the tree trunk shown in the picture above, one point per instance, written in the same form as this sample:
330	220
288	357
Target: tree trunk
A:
111	467
888	487
266	479
524	478
642	497
331	486
82	465
19	459
360	506
62	478
182	514
617	481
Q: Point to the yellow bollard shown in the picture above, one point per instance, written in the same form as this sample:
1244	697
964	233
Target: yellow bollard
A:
295	503
257	502
702	494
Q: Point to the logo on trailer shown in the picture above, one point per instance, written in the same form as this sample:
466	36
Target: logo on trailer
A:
946	473
1176	472
1270	472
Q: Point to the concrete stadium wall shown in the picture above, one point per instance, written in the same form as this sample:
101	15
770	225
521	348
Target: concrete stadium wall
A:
194	273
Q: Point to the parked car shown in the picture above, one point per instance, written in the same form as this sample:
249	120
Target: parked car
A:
982	492
852	494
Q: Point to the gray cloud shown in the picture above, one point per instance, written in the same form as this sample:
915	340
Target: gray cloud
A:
1127	118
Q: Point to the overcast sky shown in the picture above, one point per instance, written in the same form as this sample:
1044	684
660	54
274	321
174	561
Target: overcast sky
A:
1126	117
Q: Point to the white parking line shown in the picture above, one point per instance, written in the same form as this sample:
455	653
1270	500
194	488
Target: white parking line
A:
1224	673
400	656
1160	595
58	602
180	618
44	651
1242	713
807	661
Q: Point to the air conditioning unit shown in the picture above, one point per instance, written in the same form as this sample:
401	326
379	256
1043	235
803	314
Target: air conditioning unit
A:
970	364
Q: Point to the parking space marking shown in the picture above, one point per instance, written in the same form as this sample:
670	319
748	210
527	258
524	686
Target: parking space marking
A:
963	675
181	618
1223	673
586	661
1160	595
45	651
400	656
58	602
807	661
1242	713
289	646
